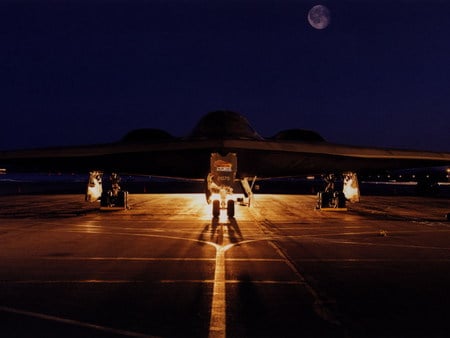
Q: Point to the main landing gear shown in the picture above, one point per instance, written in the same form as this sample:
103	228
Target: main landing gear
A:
334	199
113	199
116	198
331	200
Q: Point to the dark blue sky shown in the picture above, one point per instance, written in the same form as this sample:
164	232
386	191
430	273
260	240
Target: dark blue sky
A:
80	72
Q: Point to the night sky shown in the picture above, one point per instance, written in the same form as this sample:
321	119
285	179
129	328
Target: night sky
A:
81	72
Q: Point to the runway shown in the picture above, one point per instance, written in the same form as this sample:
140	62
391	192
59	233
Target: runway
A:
166	268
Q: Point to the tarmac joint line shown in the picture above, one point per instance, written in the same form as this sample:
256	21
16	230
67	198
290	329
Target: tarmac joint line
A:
74	322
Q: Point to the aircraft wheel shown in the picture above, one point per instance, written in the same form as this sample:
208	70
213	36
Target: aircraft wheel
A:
104	199
216	208
230	208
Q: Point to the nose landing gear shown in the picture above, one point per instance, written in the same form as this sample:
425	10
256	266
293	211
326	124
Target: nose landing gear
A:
223	203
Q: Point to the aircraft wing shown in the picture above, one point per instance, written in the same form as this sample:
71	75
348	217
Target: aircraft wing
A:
288	154
190	158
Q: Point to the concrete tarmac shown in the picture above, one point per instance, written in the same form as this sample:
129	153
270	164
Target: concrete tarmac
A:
166	268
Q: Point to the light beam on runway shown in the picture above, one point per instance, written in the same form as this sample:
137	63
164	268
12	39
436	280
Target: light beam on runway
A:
90	227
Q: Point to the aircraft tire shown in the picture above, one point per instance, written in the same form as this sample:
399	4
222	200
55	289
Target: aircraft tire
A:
230	208
216	208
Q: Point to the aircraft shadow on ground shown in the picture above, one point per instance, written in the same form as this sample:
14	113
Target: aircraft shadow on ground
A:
219	229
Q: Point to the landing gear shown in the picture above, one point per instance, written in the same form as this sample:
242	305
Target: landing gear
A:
247	189
216	208
331	198
219	183
109	201
114	199
230	208
94	188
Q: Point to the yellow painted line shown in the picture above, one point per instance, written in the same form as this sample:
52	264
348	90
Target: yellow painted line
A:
255	259
217	324
404	246
168	281
73	281
268	282
146	259
162	281
376	260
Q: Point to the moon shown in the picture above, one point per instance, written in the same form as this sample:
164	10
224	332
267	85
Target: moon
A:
319	17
